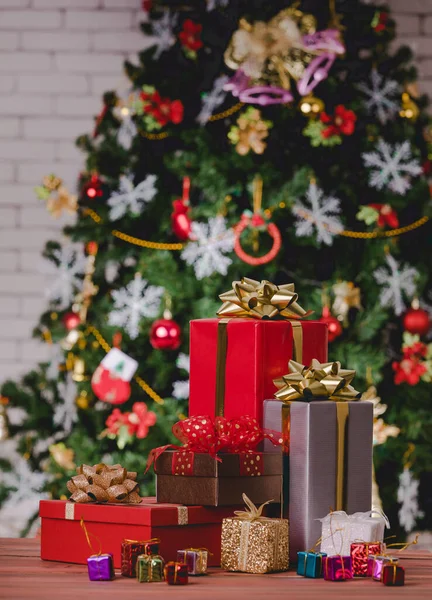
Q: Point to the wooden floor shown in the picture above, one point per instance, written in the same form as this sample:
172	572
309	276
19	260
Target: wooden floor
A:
24	575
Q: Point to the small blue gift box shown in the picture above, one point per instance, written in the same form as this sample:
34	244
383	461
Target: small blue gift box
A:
310	564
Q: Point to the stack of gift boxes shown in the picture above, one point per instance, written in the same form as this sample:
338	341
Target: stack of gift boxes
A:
271	423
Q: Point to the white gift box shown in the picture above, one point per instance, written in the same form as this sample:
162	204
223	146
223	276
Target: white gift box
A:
340	530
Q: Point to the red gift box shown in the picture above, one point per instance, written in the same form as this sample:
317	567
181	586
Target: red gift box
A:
177	526
393	575
257	351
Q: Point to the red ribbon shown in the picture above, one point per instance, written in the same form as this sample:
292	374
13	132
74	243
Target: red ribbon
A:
205	435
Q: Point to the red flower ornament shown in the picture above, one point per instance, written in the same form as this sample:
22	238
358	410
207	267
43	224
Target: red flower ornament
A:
341	123
409	370
387	216
190	36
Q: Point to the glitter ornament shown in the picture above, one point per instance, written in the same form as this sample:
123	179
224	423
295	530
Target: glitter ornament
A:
416	320
71	320
333	325
165	334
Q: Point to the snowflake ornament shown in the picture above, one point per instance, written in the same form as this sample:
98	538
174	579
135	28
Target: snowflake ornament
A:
56	359
210	242
320	214
392	166
65	412
380	96
130	199
407	496
212	99
181	388
163	33
395	281
70	264
133	302
214	4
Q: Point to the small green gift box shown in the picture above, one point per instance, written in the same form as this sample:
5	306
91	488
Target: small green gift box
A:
150	568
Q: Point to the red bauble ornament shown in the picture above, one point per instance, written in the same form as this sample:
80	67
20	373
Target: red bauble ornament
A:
180	221
165	334
93	187
92	248
334	326
109	387
416	321
71	320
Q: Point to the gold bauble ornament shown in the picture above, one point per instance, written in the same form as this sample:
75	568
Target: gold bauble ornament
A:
82	400
78	372
346	296
311	106
409	109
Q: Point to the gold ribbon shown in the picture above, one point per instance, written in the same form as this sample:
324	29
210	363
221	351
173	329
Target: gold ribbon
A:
88	535
319	381
252	512
104	483
261	300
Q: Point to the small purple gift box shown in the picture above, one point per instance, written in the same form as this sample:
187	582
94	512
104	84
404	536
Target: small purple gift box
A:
100	567
378	565
195	558
338	568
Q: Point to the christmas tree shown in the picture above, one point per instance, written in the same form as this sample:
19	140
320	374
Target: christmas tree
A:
271	140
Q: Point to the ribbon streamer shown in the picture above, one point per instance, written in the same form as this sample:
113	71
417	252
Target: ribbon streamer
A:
261	300
104	483
88	535
327	381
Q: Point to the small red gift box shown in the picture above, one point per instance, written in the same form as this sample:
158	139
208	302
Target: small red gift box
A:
176	526
360	551
233	362
131	549
176	573
393	575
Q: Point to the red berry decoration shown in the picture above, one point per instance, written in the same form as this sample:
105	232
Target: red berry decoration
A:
93	187
165	334
180	220
416	320
71	320
334	326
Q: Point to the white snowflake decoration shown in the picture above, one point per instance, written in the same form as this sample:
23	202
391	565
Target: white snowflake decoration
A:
65	412
213	4
133	302
392	166
181	388
394	281
207	250
380	95
71	264
163	33
131	199
127	131
212	100
407	496
56	359
320	214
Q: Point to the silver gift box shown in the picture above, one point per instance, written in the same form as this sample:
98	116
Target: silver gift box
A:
310	468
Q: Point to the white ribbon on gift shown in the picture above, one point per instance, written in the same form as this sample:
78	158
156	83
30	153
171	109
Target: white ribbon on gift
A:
346	526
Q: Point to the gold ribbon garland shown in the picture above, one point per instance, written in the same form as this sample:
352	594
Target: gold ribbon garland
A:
366	235
321	380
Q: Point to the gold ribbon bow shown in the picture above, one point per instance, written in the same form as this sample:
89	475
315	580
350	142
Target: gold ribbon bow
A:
261	300
104	483
253	513
320	380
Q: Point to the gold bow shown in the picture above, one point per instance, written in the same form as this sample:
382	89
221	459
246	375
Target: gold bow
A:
253	513
320	380
104	483
272	52
259	300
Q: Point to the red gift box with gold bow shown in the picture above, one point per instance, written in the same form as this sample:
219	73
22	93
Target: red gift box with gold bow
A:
234	358
217	463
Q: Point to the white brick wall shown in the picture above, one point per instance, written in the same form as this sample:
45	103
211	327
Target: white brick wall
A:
56	58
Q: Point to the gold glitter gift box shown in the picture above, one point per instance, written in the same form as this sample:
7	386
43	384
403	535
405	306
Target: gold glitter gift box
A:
252	543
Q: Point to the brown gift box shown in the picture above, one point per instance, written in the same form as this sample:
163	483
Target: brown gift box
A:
220	483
